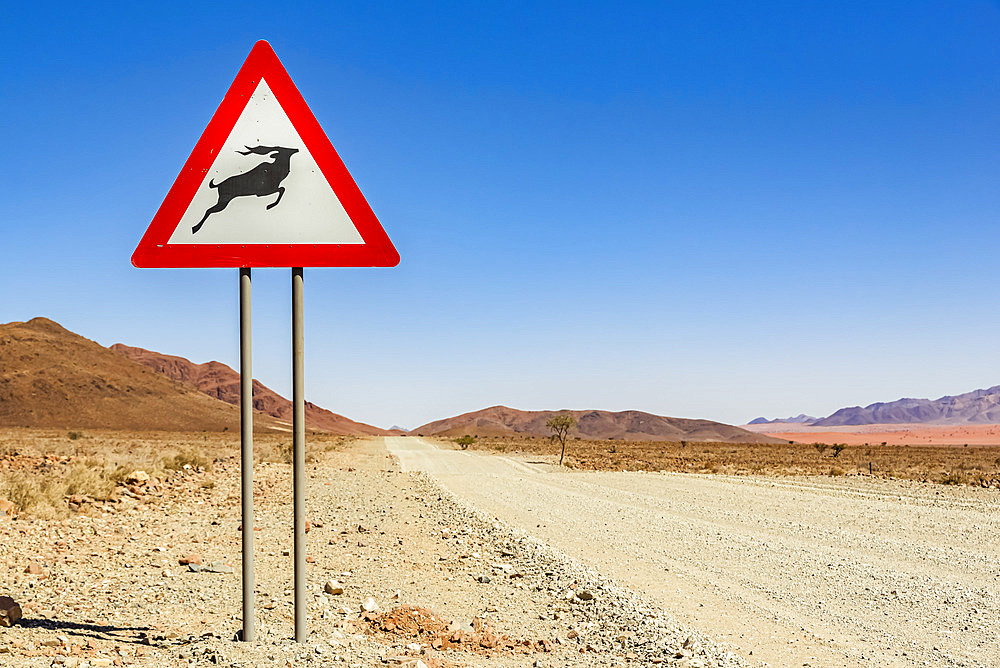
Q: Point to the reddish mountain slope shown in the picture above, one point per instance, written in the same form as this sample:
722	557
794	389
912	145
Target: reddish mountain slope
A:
51	377
222	382
592	424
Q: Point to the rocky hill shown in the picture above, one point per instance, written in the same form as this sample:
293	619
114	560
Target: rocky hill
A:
801	418
976	407
223	383
51	377
591	424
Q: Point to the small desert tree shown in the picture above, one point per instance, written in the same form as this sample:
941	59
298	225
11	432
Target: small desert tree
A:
838	448
560	425
465	441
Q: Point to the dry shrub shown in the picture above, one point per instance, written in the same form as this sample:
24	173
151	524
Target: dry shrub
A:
954	478
836	471
35	495
190	458
93	481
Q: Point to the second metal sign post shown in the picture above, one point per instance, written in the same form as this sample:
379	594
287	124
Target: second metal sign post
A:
299	453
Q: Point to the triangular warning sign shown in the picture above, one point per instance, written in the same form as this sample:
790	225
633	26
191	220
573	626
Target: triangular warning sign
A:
264	187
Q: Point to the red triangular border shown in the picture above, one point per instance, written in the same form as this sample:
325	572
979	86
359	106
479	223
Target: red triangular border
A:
262	63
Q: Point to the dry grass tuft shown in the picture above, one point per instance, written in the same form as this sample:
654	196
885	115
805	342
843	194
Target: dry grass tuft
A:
35	495
189	458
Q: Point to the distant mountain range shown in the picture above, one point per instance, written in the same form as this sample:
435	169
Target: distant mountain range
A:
591	424
801	418
976	407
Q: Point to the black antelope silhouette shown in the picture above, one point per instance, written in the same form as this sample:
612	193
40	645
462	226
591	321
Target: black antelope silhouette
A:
264	179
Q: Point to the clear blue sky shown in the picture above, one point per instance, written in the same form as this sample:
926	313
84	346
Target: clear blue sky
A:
716	210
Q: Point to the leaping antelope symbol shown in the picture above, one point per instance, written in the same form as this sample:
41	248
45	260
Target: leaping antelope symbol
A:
264	179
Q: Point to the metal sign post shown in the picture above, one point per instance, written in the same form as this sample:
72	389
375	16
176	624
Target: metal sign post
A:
299	453
246	453
264	142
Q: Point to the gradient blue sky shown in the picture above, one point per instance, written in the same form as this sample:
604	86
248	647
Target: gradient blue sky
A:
717	210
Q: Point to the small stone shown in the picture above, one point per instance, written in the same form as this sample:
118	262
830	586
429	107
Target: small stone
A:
585	595
446	534
50	642
8	510
333	588
308	526
137	478
485	579
10	611
214	567
369	605
33	568
193	558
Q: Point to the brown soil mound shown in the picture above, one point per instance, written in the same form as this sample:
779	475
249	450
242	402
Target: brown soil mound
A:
51	377
591	424
421	626
222	382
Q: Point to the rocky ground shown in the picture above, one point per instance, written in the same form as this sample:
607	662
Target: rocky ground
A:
400	574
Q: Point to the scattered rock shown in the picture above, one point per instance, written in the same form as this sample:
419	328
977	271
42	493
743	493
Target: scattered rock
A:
10	611
33	568
137	478
334	588
8	510
214	567
585	595
308	526
369	605
192	558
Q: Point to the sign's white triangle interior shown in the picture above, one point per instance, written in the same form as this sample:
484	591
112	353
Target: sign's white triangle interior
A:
308	211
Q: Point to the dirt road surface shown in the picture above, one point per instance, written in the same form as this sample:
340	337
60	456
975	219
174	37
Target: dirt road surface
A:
787	572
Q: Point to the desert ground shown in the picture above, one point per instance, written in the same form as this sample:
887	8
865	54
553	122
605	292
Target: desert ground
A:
892	434
945	464
99	579
422	553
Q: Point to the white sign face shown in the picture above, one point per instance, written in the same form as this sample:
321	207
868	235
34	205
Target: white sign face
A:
265	188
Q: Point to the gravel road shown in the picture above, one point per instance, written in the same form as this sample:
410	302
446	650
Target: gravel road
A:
786	572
